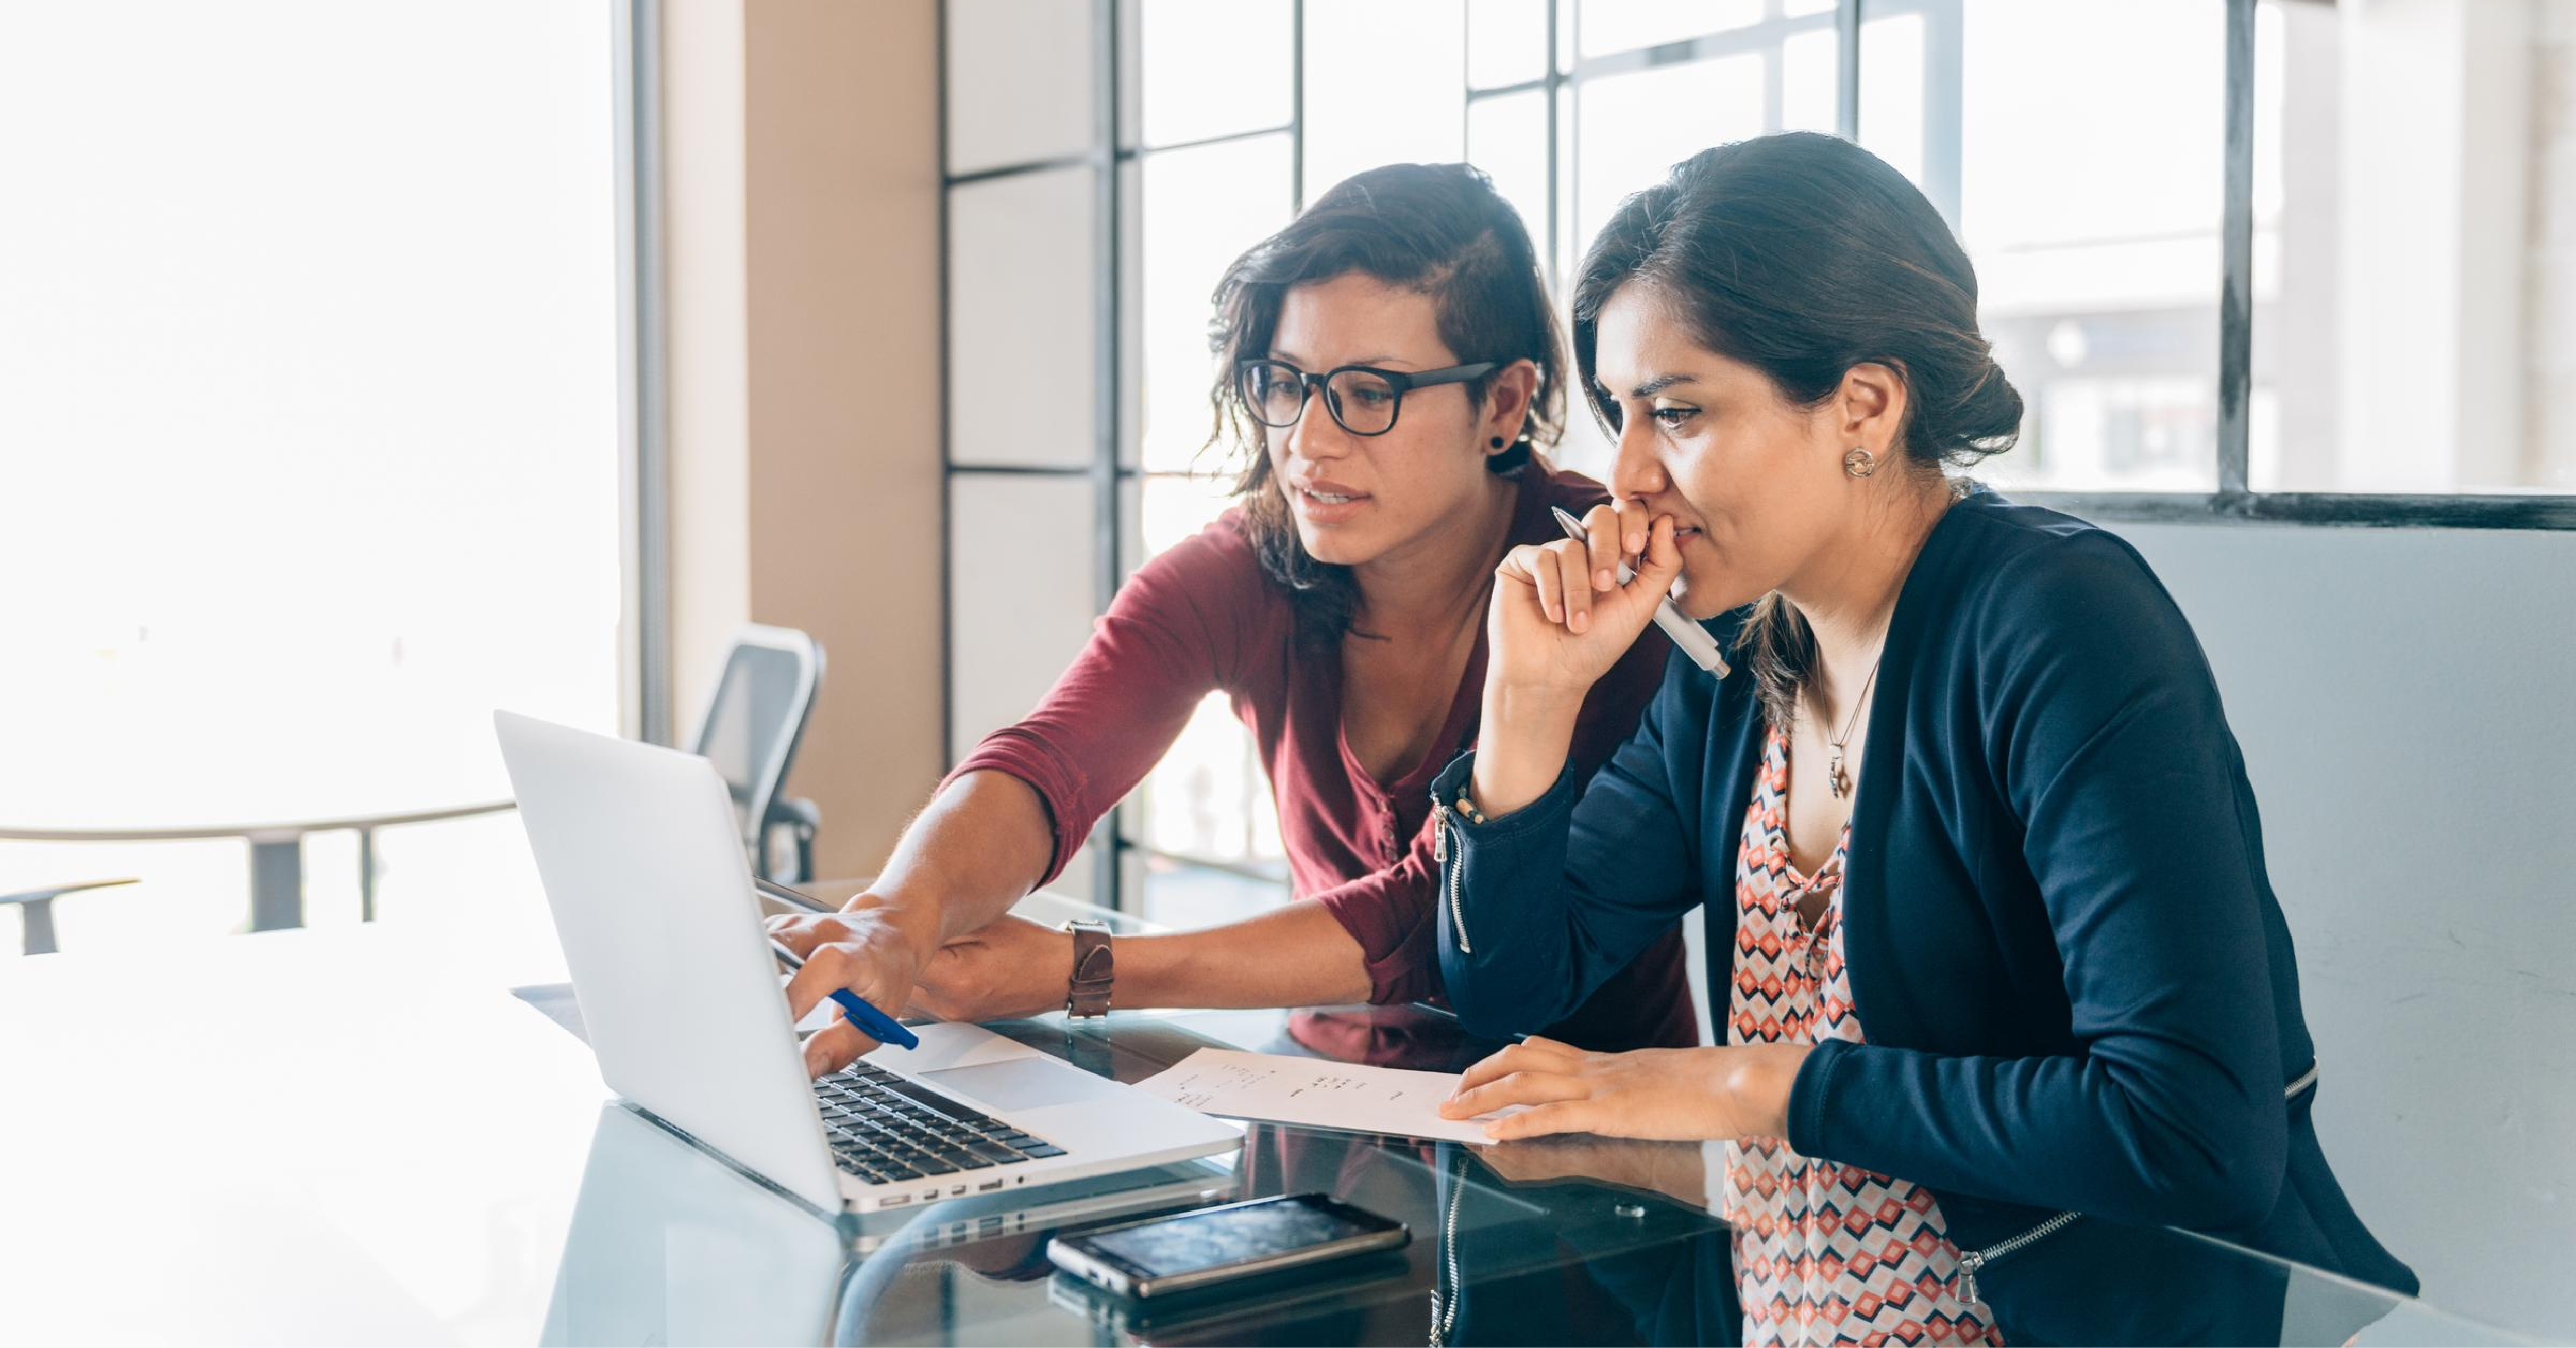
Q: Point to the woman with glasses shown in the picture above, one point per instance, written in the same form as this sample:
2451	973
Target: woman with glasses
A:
1388	367
2003	945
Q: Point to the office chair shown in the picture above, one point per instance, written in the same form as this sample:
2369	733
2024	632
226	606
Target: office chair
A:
37	907
751	730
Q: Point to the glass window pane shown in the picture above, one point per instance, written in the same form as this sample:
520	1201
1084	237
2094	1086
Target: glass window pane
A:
1507	138
1635	127
1213	70
1385	84
1209	797
1891	93
1202	208
309	412
1171	507
1506	42
2088	197
1022	327
1020	77
1798	8
1020	575
1810	75
2415	307
1624	25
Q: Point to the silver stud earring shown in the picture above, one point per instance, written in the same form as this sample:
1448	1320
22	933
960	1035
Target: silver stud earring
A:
1859	462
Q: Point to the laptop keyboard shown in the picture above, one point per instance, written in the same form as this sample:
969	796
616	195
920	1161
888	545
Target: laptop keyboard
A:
887	1128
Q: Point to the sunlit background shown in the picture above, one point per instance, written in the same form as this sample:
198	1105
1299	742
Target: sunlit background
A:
309	405
325	405
2076	146
309	417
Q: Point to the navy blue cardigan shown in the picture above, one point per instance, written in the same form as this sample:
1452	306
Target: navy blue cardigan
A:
2077	986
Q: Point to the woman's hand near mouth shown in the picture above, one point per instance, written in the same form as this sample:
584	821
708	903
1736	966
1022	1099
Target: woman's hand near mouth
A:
1559	621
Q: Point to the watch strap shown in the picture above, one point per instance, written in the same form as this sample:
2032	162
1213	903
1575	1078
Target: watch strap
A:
1094	969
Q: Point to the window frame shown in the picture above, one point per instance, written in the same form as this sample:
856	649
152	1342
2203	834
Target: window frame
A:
2234	501
1116	145
642	374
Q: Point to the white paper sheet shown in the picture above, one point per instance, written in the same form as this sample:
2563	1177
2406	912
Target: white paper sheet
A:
1318	1093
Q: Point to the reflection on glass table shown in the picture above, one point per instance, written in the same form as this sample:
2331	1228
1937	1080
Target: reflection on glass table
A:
373	1142
1563	1241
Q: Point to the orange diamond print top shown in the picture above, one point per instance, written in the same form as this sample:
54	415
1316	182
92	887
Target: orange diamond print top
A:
1824	1253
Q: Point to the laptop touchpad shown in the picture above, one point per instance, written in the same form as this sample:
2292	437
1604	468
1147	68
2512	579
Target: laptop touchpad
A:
1023	1083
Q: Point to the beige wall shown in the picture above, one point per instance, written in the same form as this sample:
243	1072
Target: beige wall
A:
707	351
802	227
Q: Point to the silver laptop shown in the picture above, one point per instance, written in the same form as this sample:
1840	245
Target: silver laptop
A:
652	898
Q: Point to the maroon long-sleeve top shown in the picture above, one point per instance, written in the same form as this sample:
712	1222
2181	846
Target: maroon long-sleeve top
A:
1202	618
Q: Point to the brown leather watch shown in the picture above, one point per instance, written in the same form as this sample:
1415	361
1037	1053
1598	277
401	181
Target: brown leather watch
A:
1093	969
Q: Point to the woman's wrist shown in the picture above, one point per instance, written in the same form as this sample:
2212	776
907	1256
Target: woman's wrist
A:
1760	1078
1520	751
1525	708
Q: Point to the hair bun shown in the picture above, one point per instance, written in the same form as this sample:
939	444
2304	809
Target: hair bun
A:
1984	419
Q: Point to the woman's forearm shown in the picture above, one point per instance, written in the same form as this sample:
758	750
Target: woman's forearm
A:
980	846
1294	956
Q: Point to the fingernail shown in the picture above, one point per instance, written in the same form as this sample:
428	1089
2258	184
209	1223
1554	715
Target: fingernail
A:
1605	579
1582	622
1636	542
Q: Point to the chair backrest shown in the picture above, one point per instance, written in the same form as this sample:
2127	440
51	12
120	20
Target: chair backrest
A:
756	717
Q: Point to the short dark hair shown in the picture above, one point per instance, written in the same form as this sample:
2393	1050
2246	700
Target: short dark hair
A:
1440	229
1804	255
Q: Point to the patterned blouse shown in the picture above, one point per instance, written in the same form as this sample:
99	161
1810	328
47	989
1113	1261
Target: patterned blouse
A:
1825	1253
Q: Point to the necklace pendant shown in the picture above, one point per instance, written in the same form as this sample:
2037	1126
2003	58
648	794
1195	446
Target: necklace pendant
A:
1837	780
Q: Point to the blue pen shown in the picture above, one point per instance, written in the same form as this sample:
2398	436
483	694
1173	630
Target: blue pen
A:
877	1025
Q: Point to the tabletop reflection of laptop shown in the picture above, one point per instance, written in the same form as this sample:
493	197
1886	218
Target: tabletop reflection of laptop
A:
652	899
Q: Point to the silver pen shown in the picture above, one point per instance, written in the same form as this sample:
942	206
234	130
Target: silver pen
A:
1692	638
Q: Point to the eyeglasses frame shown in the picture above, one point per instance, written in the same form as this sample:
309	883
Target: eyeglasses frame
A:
1402	381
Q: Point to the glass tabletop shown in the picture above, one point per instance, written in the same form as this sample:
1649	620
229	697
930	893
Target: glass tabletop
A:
359	1136
1563	1241
1556	1241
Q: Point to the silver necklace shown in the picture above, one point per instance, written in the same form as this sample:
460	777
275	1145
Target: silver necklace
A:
1837	779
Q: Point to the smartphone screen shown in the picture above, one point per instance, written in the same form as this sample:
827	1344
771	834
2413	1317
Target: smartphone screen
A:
1261	1233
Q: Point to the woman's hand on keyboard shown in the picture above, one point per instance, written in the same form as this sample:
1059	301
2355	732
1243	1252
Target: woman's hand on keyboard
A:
862	949
1009	969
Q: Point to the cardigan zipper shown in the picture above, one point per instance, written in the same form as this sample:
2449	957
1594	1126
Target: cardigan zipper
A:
1440	826
1972	1260
1444	1311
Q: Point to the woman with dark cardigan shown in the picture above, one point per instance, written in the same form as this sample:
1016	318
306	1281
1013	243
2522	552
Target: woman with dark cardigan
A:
2035	874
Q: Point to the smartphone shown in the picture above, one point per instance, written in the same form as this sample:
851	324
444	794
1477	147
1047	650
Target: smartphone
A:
1214	1245
1251	1310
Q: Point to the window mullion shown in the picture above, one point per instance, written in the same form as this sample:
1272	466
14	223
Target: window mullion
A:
2236	257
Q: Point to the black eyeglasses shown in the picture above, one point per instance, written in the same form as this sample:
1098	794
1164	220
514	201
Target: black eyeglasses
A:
1362	398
